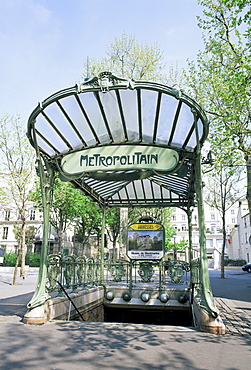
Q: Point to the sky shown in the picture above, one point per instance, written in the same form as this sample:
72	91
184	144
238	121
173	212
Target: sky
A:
45	42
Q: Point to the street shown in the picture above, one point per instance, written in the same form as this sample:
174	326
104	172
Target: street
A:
118	346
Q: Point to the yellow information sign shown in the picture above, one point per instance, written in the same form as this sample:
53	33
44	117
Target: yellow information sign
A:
146	226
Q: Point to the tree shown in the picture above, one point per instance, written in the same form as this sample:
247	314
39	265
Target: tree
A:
220	79
222	192
88	219
29	234
129	58
18	168
69	207
113	227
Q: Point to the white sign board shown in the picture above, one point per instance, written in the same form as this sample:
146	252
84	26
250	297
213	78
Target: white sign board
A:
120	158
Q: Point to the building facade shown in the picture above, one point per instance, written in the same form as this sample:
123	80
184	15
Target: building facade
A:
240	236
214	237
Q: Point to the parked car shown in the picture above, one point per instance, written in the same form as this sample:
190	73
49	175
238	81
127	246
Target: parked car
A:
247	267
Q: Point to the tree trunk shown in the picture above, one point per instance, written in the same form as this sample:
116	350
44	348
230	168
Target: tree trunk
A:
114	249
223	247
248	165
16	268
60	241
22	247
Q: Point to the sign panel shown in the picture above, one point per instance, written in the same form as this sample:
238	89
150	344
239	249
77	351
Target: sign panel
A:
120	158
145	241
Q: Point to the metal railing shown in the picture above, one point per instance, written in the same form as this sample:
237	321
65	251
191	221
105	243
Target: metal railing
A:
83	273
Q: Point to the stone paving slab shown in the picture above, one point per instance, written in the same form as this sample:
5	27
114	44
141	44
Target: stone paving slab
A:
237	320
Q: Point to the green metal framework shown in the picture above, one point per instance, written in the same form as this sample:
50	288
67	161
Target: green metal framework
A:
107	112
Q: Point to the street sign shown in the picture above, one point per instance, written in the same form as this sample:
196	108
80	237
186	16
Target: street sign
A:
145	241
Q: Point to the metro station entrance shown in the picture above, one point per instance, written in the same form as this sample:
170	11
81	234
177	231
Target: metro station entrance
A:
125	143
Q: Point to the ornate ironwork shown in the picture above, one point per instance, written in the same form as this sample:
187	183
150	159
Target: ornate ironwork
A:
175	271
53	272
117	270
81	272
146	271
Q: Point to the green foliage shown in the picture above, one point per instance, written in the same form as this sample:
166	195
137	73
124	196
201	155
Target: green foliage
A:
220	80
113	224
70	208
89	218
29	234
230	262
32	259
10	259
16	161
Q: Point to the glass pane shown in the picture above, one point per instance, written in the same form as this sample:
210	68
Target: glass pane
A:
166	193
184	124
92	109
192	142
167	112
71	106
111	109
130	191
139	190
129	104
60	121
43	126
156	191
43	145
122	194
147	188
149	103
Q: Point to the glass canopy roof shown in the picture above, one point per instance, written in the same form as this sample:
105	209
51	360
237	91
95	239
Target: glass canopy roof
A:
124	143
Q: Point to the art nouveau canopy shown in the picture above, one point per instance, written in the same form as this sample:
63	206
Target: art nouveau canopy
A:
124	143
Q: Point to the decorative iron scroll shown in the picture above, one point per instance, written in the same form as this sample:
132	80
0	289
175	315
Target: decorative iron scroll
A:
175	271
85	273
117	270
146	271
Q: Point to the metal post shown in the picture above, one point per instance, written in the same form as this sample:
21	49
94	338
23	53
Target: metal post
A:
102	254
46	174
190	242
174	247
207	296
190	235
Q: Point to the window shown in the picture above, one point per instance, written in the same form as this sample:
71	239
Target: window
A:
213	228
232	211
233	220
7	215
32	214
174	218
183	217
212	216
5	233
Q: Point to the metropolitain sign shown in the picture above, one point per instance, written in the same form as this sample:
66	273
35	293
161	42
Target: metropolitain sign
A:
120	158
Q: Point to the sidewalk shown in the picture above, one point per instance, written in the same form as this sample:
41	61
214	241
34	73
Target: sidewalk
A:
110	346
14	298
